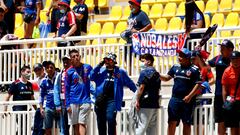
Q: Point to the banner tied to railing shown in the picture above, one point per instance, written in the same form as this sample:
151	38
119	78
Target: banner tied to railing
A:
158	44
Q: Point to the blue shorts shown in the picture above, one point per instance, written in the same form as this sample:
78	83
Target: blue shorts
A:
50	116
179	110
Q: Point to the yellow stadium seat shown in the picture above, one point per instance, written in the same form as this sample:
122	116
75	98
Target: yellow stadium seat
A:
226	33
152	22
19	31
94	29
72	4
121	41
102	3
90	4
207	20
47	5
149	2
111	41
43	16
18	20
107	28
161	24
218	18
145	8
162	1
176	1
126	13
120	27
225	6
232	19
175	23
156	11
181	9
236	6
116	13
211	6
169	10
200	5
236	33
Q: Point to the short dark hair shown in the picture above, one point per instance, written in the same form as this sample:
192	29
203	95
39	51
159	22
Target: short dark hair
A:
147	56
46	63
24	67
73	51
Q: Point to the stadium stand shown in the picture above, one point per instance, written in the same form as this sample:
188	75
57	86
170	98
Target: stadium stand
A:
120	27
161	24
225	6
211	6
200	5
90	4
236	6
175	23
207	20
108	28
181	10
162	1
126	13
156	11
231	20
169	10
145	8
176	1
149	2
18	20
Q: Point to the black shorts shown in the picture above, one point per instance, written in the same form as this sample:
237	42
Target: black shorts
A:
232	117
218	110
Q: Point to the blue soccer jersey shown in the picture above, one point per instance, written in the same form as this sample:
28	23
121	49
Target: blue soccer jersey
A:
220	64
185	78
21	91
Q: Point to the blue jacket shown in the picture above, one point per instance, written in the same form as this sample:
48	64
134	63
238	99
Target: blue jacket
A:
77	84
99	74
46	90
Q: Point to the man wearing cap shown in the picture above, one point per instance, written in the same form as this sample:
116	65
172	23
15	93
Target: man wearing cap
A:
67	23
46	92
110	81
186	83
231	91
59	96
77	86
220	62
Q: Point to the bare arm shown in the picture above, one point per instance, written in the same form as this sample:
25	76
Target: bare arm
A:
7	99
211	81
34	106
71	31
37	21
79	16
188	98
139	94
145	29
165	78
224	92
198	25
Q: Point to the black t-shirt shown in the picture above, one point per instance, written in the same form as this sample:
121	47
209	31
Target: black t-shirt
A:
3	29
81	24
109	85
21	91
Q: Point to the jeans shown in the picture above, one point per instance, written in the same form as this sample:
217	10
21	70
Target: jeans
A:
64	127
106	117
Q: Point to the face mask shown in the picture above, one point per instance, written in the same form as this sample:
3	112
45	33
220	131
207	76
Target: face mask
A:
27	76
62	11
133	10
142	66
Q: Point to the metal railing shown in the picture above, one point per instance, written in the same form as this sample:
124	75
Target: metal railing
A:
12	121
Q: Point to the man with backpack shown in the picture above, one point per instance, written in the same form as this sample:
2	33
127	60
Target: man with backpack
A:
147	101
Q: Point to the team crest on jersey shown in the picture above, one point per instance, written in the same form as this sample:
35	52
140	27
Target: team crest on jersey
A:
188	73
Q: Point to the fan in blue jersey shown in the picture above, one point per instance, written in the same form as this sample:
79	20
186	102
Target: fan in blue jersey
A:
187	81
46	92
77	85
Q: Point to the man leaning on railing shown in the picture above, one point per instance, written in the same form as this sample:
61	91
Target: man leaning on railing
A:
21	89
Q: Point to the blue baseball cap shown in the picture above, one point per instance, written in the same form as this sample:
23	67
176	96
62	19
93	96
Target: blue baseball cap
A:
227	43
235	55
185	51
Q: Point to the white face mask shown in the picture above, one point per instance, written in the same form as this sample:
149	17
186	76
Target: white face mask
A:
142	66
27	76
62	11
133	10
